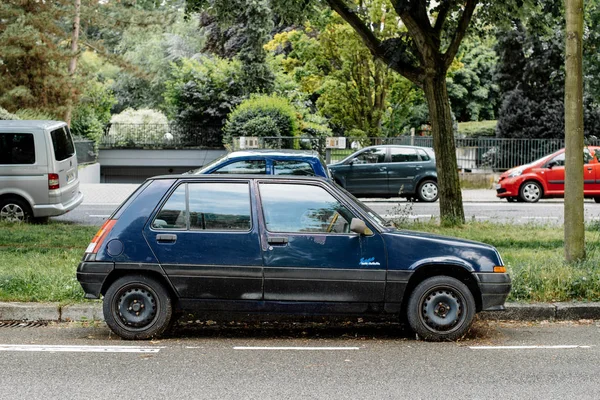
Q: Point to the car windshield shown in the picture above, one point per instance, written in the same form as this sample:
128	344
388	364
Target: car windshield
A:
203	169
375	218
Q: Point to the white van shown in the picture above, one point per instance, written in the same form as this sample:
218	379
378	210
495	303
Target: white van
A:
38	170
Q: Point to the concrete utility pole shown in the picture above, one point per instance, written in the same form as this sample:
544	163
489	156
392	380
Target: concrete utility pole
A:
574	218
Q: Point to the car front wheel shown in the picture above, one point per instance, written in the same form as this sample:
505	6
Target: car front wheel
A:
137	307
428	191
530	192
441	308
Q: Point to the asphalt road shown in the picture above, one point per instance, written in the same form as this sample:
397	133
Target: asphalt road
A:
544	212
302	361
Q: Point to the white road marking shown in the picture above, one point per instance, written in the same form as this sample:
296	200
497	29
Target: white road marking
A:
387	216
295	348
78	349
99	216
528	347
539	217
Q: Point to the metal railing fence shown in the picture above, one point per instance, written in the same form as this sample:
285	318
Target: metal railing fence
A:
162	136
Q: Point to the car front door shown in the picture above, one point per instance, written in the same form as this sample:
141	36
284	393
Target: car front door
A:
555	174
402	170
206	238
366	174
309	252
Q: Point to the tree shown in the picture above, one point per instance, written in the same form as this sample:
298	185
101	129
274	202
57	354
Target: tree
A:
574	218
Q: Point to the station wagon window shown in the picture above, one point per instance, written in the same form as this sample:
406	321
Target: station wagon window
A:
289	167
62	143
219	206
173	213
303	209
252	167
371	156
404	154
424	156
17	148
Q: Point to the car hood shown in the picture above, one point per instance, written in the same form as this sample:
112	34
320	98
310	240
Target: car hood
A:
414	249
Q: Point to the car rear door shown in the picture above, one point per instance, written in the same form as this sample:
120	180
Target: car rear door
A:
309	252
205	236
591	169
402	169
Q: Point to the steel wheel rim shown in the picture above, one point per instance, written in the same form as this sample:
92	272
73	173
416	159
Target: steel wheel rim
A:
531	192
12	213
136	307
429	191
442	309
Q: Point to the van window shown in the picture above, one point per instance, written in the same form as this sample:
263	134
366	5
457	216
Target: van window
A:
62	143
17	148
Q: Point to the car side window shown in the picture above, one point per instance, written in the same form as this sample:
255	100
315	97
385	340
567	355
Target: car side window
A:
210	206
404	154
559	160
424	156
17	148
302	209
587	156
251	167
371	156
290	167
219	206
173	214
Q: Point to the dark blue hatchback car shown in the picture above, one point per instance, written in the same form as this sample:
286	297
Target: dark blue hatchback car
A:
279	245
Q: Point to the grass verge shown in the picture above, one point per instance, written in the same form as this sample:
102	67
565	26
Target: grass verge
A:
38	262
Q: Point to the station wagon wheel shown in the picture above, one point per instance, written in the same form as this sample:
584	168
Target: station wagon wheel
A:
137	307
428	191
530	192
14	210
441	308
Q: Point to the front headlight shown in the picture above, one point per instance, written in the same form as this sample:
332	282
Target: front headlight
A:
515	173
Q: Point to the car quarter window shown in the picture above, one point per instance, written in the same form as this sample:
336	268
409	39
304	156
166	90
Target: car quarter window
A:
302	208
424	156
404	154
371	156
290	167
17	148
210	206
251	167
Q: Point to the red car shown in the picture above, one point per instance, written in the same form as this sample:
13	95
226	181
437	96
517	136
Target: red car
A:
545	178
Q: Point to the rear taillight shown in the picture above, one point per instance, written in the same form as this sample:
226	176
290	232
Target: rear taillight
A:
53	182
94	246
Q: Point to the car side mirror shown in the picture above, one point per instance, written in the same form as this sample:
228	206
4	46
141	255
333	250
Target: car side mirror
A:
359	226
552	164
351	162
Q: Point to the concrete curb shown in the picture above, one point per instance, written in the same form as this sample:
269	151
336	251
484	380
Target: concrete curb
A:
93	312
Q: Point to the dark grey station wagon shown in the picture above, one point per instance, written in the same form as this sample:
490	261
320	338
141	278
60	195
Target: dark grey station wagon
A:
272	244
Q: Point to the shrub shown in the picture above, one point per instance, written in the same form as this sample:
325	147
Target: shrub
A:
277	113
475	129
5	115
133	128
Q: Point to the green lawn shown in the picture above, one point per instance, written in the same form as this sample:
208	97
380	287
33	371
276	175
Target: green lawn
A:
38	262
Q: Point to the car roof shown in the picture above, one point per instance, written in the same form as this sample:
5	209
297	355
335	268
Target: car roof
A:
43	124
273	152
221	177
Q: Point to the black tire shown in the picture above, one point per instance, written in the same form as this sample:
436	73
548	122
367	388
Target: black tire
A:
454	301
137	307
15	210
530	192
511	199
428	191
597	199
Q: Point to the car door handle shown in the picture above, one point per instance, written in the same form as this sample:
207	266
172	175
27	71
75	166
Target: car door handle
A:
382	168
166	238
589	168
278	241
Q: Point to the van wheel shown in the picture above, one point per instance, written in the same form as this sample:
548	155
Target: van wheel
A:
441	308
427	191
137	307
14	210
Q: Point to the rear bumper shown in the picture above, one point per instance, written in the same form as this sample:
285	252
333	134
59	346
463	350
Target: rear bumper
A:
91	277
494	289
53	210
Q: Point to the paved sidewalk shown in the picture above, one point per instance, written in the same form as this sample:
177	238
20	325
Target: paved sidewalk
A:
92	311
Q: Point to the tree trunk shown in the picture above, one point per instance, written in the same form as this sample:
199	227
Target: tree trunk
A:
451	209
574	210
74	55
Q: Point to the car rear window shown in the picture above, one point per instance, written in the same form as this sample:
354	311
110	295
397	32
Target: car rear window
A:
17	148
62	143
291	167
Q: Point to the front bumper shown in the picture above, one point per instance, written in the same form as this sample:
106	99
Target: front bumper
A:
494	288
91	277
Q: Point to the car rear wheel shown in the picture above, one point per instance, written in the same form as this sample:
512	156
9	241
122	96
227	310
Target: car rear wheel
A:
428	191
14	210
441	308
530	192
137	307
597	199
